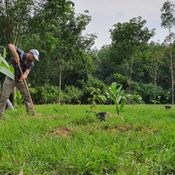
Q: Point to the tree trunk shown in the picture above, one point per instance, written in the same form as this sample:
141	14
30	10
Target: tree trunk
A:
155	85
171	70
60	77
130	75
155	77
172	76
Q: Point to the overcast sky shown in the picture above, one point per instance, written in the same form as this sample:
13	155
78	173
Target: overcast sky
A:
106	13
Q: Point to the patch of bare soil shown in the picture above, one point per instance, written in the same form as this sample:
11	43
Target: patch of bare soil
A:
128	127
123	128
61	132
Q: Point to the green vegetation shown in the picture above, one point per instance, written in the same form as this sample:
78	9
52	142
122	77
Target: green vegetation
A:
5	68
88	139
69	67
62	140
118	96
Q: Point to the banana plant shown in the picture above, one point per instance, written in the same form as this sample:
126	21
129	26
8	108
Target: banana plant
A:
118	96
5	68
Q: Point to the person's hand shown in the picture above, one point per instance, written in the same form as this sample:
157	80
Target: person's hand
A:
23	77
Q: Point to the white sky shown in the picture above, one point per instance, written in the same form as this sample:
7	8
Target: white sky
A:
106	13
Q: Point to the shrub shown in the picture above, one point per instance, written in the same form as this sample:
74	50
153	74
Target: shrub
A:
135	99
71	95
148	92
91	84
45	94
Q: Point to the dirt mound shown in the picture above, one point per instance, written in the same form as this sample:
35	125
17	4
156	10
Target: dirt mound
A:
61	132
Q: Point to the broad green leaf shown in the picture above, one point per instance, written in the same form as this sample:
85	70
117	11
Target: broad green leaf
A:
4	66
4	53
11	69
118	90
4	61
7	72
113	87
118	99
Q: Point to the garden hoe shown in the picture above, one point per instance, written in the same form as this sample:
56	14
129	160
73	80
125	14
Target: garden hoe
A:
27	88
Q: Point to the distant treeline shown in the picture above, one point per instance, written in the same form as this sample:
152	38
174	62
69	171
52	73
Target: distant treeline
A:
69	68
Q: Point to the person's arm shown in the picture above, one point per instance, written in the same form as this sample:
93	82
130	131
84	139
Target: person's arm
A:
25	74
13	51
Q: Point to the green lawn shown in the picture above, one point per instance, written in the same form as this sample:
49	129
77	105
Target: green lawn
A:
62	140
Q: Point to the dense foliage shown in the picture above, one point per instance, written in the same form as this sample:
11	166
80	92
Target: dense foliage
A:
69	69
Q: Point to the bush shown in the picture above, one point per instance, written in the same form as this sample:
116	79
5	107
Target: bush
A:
148	91
71	95
45	94
91	84
135	99
50	94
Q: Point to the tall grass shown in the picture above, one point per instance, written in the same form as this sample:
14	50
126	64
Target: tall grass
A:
62	140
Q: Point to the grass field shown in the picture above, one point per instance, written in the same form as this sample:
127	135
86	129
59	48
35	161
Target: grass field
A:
62	140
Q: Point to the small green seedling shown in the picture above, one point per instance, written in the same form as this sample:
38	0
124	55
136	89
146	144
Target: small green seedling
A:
97	96
118	96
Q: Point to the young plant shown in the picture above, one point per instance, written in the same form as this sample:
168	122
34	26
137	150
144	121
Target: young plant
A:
19	98
5	68
97	96
118	96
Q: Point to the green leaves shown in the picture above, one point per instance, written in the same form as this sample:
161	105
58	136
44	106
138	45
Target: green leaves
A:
5	68
168	14
117	95
97	96
7	72
17	25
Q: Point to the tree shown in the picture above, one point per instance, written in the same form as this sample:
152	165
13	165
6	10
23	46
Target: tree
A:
127	39
156	60
14	17
64	50
168	21
104	64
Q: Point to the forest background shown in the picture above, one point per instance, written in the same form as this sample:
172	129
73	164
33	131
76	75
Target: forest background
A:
70	69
